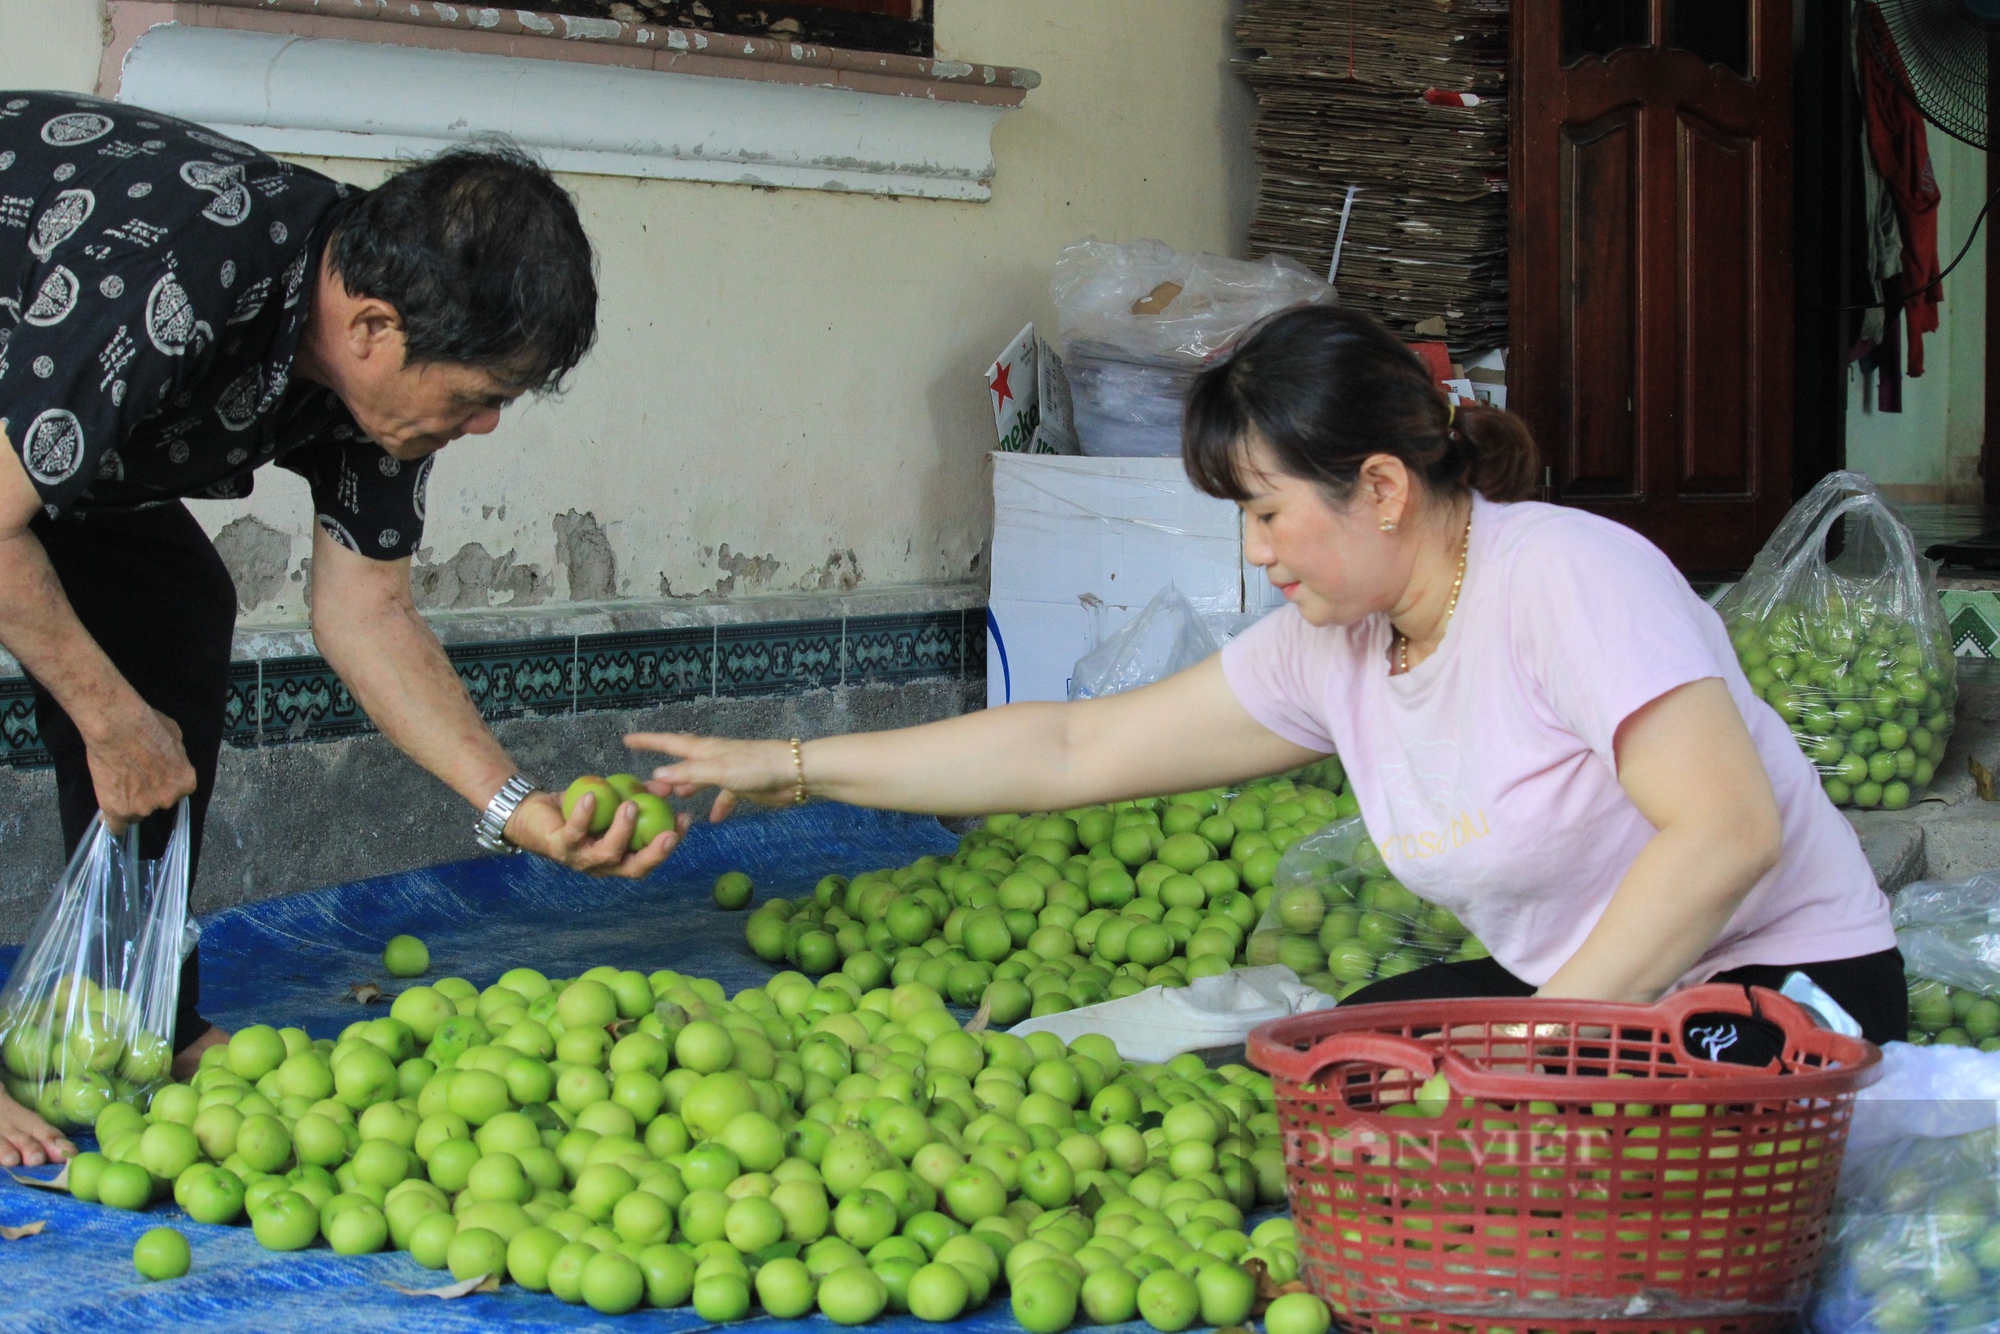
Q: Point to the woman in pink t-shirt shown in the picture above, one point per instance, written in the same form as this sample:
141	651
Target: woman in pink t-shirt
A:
1545	727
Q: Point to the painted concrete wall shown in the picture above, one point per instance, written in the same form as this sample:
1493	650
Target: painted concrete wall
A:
50	43
788	393
1930	451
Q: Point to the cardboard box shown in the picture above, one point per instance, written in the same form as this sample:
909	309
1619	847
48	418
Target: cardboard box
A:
1081	545
1031	407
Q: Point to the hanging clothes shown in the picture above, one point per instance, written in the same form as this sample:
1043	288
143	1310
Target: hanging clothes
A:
1878	344
1899	144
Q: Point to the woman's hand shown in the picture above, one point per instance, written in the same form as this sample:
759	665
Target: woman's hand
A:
762	771
1184	732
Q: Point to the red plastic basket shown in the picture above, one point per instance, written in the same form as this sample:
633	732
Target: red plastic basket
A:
1612	1180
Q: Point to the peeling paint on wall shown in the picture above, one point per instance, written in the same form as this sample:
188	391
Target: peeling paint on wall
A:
754	572
257	557
711	406
477	578
667	591
584	550
841	572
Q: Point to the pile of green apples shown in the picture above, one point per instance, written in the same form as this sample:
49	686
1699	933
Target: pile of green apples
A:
77	1050
1037	914
622	1139
1349	923
1868	694
1953	1016
1917	1247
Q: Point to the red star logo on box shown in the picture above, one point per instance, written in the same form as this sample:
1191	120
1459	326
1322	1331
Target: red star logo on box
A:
1001	389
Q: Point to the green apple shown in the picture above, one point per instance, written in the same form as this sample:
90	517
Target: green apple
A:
1297	1313
125	1186
406	956
669	1275
256	1051
431	1238
161	1253
168	1149
474	1252
853	1295
358	1230
613	1283
424	1009
1044	1299
602	793
287	1221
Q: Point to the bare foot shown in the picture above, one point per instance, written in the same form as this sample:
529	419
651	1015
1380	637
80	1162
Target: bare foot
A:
188	1059
26	1139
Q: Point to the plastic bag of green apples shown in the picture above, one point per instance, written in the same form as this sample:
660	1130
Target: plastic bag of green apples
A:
1852	651
1339	920
1036	914
88	1012
1949	934
624	1140
1949	1016
1915	1243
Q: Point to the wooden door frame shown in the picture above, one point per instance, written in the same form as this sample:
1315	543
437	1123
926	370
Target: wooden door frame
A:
1826	227
1535	227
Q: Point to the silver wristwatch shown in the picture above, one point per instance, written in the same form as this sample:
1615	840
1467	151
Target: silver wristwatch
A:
490	832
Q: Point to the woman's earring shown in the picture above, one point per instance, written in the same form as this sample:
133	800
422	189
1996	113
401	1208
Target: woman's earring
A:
1388	525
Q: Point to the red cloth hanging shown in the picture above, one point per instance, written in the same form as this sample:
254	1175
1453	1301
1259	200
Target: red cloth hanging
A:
1900	143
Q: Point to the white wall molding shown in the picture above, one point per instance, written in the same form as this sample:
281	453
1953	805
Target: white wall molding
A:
383	102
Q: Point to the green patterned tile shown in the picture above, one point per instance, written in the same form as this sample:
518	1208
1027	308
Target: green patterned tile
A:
1974	618
282	700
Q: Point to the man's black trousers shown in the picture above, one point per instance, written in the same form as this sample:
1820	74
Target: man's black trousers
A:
151	590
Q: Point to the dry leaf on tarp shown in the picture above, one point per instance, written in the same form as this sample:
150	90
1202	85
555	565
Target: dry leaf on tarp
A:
979	1021
483	1283
60	1181
1268	1289
365	993
25	1230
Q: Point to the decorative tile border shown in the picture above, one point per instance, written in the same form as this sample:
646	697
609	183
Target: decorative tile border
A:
1974	618
900	648
275	701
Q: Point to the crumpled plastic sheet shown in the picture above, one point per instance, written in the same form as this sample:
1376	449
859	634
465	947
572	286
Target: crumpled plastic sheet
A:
291	960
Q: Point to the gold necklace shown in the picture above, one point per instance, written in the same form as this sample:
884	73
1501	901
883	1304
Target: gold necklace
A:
1458	582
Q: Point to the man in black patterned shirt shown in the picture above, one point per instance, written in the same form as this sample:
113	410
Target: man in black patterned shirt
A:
178	309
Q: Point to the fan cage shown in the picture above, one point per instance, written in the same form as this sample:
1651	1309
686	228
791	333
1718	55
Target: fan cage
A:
1944	49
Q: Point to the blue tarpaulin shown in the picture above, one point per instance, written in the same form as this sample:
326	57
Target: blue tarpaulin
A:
292	961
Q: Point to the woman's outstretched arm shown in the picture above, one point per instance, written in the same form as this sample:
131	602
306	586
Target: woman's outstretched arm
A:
1185	732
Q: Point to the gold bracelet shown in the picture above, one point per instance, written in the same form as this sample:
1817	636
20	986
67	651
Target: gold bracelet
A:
799	764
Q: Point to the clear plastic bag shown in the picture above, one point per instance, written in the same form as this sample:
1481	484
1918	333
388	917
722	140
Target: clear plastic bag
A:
1915	1241
1950	930
1949	933
1338	919
1125	408
1138	321
87	1018
1852	652
1167	637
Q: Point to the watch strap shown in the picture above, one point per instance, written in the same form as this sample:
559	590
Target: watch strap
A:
490	830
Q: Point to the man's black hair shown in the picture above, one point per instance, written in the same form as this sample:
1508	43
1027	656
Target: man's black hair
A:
483	256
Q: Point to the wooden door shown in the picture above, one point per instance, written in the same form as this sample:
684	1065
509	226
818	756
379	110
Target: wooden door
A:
1650	279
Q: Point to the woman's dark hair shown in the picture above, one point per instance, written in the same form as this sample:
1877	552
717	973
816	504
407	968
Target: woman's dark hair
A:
482	254
1324	388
